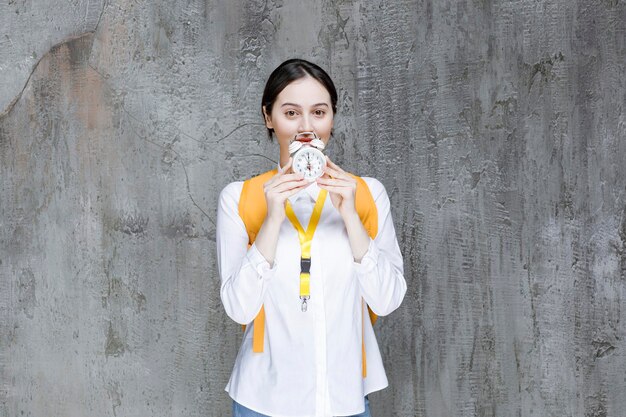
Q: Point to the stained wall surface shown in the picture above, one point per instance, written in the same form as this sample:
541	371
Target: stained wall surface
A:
498	128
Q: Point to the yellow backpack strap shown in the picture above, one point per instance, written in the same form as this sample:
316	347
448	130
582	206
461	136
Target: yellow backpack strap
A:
252	210
252	205
368	213
366	207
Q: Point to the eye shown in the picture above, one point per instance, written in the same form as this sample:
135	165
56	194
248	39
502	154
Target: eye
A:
290	113
319	112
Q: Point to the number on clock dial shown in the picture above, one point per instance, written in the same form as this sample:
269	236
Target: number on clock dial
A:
309	163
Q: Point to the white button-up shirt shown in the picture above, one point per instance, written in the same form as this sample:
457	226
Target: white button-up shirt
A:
311	364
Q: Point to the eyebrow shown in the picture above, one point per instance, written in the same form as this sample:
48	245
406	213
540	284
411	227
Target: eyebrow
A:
297	105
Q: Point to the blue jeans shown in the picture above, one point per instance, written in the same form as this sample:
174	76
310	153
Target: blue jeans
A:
241	411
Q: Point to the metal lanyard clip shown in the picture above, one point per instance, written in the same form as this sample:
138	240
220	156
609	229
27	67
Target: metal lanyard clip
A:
304	299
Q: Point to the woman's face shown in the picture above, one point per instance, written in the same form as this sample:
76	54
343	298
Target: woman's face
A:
303	106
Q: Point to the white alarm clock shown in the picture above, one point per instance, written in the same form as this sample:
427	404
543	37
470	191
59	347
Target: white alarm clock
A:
306	150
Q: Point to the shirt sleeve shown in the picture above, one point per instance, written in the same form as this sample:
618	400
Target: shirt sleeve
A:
381	270
244	272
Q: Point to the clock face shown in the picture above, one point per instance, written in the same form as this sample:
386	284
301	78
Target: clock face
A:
310	162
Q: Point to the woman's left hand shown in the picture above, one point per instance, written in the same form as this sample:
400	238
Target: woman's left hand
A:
341	186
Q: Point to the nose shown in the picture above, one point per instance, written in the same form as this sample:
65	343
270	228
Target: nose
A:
305	124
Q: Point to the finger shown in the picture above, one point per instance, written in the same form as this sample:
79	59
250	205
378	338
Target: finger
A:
342	182
333	165
325	174
286	186
333	172
343	191
336	183
288	193
288	177
279	173
280	178
332	183
293	191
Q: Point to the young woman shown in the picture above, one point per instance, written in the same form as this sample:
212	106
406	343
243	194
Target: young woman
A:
314	354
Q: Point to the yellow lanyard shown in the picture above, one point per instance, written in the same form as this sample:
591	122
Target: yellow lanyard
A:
305	243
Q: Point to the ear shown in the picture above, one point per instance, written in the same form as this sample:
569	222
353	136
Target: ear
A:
268	119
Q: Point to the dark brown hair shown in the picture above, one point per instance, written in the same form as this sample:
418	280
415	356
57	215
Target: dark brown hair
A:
291	70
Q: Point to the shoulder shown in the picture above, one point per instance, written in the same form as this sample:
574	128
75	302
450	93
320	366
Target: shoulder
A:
231	192
233	188
376	187
263	177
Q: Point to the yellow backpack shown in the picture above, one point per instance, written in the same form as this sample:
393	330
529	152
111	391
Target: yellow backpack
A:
253	209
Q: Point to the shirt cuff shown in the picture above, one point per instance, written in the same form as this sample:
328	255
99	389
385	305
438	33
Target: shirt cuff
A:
260	264
369	260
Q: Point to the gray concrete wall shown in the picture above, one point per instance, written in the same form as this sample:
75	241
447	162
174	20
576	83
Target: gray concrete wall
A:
498	128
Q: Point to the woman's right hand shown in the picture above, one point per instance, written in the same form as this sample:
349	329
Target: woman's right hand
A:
279	188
